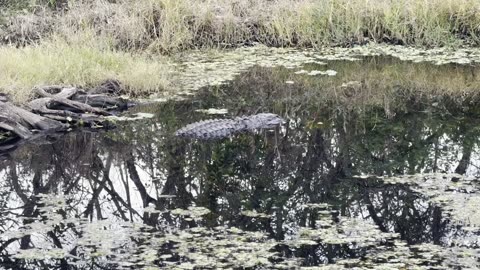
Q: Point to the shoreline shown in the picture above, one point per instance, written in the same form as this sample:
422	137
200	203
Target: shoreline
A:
157	76
143	44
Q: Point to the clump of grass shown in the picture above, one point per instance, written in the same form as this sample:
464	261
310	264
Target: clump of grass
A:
79	63
12	5
175	25
26	28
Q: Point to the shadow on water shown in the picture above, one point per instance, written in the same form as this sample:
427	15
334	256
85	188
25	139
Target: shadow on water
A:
309	193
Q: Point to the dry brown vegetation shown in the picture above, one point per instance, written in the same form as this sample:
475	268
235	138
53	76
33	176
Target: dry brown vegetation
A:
172	25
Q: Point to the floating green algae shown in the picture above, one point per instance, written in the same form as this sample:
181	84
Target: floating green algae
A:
456	194
221	248
199	69
400	256
194	212
254	214
133	117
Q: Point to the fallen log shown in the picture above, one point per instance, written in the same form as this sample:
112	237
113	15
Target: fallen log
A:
101	101
30	121
59	104
57	108
17	123
13	127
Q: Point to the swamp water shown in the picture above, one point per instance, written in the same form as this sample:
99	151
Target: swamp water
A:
373	170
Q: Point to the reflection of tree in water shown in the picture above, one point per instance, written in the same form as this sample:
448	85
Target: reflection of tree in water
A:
316	159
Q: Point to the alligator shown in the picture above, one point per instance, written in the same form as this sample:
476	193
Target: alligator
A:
221	128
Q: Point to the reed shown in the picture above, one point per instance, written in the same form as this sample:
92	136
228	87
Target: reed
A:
175	25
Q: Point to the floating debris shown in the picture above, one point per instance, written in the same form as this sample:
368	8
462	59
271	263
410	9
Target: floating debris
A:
221	248
328	72
151	209
213	111
301	72
254	214
359	232
134	117
194	212
166	196
352	85
40	254
316	206
457	194
421	256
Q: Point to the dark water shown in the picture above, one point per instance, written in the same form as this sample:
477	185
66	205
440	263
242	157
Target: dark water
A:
75	193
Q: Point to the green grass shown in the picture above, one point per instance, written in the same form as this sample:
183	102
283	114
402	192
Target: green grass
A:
58	62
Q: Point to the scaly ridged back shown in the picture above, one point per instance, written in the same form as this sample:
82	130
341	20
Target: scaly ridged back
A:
220	128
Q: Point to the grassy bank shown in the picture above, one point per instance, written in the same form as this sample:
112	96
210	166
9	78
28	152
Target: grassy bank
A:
85	41
80	63
173	25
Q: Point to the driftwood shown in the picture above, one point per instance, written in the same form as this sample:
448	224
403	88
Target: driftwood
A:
60	104
22	122
57	108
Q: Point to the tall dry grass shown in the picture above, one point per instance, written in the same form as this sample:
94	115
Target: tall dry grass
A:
174	25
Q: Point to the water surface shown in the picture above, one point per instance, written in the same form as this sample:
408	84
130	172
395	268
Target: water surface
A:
318	191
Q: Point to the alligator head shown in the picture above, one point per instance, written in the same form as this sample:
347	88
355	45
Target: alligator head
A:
261	120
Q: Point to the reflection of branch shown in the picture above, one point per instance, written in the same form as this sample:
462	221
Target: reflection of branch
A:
29	211
98	209
72	184
127	189
55	239
373	214
117	199
437	225
101	186
176	182
116	196
465	160
130	163
16	184
7	243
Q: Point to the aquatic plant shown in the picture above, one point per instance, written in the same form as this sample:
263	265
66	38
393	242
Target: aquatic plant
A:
455	193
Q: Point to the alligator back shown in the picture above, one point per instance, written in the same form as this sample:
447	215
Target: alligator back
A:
221	128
